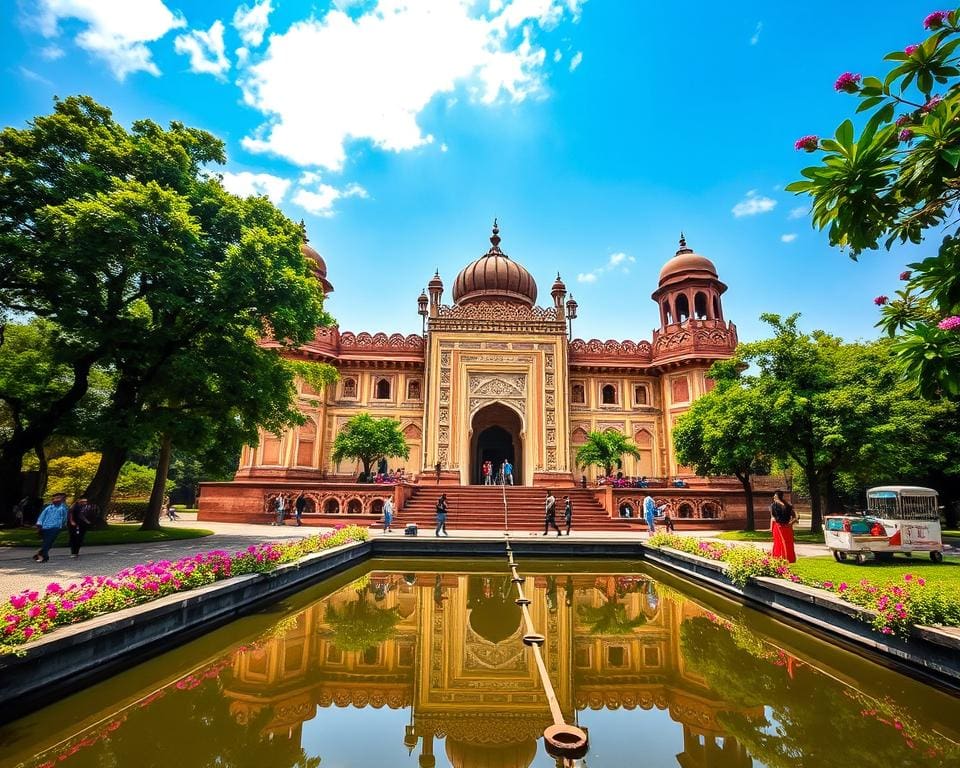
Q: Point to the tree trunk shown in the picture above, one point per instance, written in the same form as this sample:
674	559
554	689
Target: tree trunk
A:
10	485
834	503
100	490
151	521
816	499
748	492
43	469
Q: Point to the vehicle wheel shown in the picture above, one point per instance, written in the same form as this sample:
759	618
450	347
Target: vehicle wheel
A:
861	559
937	557
884	557
839	556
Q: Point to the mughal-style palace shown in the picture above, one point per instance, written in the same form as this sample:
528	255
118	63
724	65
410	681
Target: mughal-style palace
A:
496	376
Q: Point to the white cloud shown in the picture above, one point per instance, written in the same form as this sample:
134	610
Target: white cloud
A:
205	49
788	238
615	261
251	22
753	204
444	147
29	74
318	198
372	71
114	30
587	277
246	183
755	38
799	212
52	52
575	61
557	55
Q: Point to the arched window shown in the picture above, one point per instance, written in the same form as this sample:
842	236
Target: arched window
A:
608	395
700	306
577	394
381	390
716	308
639	395
685	510
331	506
349	387
413	390
667	314
683	308
306	439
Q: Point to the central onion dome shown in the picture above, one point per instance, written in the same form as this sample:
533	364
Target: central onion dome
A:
494	277
686	263
512	755
318	265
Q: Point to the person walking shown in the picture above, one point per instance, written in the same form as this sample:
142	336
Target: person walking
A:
550	513
387	514
172	513
782	518
567	513
487	472
650	513
280	506
507	472
442	515
79	520
299	505
51	520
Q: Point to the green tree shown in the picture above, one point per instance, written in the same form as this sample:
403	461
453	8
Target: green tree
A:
727	432
70	474
134	250
368	440
606	449
896	181
134	480
832	407
359	624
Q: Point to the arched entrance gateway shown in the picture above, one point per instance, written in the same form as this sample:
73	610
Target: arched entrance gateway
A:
495	436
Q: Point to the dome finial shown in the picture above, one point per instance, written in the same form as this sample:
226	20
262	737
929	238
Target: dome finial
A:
683	245
683	240
495	237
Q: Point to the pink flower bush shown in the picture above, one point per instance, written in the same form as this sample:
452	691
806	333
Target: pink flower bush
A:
807	143
951	323
905	135
905	275
931	104
904	120
935	20
881	300
847	83
30	614
910	49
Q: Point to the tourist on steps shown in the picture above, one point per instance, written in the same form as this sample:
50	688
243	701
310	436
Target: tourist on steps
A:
567	512
550	518
387	514
442	515
507	472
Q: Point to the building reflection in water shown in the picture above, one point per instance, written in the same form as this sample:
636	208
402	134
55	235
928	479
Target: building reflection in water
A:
449	648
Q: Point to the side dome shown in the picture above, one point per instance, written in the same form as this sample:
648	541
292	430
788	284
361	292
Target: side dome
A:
686	263
319	266
494	277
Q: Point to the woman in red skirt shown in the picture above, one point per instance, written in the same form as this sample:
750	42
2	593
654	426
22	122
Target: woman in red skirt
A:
782	519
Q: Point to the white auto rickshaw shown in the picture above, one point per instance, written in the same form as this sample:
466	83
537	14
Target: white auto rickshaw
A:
899	518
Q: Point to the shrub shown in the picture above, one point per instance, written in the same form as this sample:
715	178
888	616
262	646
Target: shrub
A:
134	510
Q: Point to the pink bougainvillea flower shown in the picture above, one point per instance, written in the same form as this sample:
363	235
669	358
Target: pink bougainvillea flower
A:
909	50
807	143
949	323
847	83
905	135
905	275
881	300
931	104
935	20
904	120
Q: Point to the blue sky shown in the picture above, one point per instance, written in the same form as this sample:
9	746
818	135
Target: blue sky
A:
595	130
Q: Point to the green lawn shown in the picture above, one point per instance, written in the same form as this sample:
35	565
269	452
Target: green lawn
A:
951	533
945	574
802	536
114	534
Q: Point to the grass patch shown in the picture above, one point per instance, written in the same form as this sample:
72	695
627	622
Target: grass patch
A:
804	537
953	533
113	534
945	575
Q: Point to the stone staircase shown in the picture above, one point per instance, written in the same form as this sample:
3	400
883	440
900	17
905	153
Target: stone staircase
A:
479	507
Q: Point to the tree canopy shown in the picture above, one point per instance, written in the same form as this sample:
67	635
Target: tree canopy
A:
895	181
606	449
367	440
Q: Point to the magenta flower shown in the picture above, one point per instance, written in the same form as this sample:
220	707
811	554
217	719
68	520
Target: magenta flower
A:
904	120
905	135
28	632
908	577
935	20
807	143
949	323
847	83
905	275
881	300
931	104
909	50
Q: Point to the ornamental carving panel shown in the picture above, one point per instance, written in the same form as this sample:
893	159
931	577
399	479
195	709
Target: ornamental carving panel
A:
496	386
444	415
366	340
499	310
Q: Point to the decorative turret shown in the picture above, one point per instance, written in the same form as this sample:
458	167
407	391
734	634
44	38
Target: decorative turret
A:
559	292
435	289
689	288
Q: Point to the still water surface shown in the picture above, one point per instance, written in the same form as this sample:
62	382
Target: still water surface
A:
421	664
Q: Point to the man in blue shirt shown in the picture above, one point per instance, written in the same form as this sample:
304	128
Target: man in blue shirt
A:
650	511
507	472
49	524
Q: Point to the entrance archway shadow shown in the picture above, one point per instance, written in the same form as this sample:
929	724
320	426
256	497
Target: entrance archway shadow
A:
496	431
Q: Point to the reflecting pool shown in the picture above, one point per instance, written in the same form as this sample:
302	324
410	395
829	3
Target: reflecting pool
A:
420	663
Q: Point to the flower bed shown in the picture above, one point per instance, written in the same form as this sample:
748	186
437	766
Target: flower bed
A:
892	608
30	614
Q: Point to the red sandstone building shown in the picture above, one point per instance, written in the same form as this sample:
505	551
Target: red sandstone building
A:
495	376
